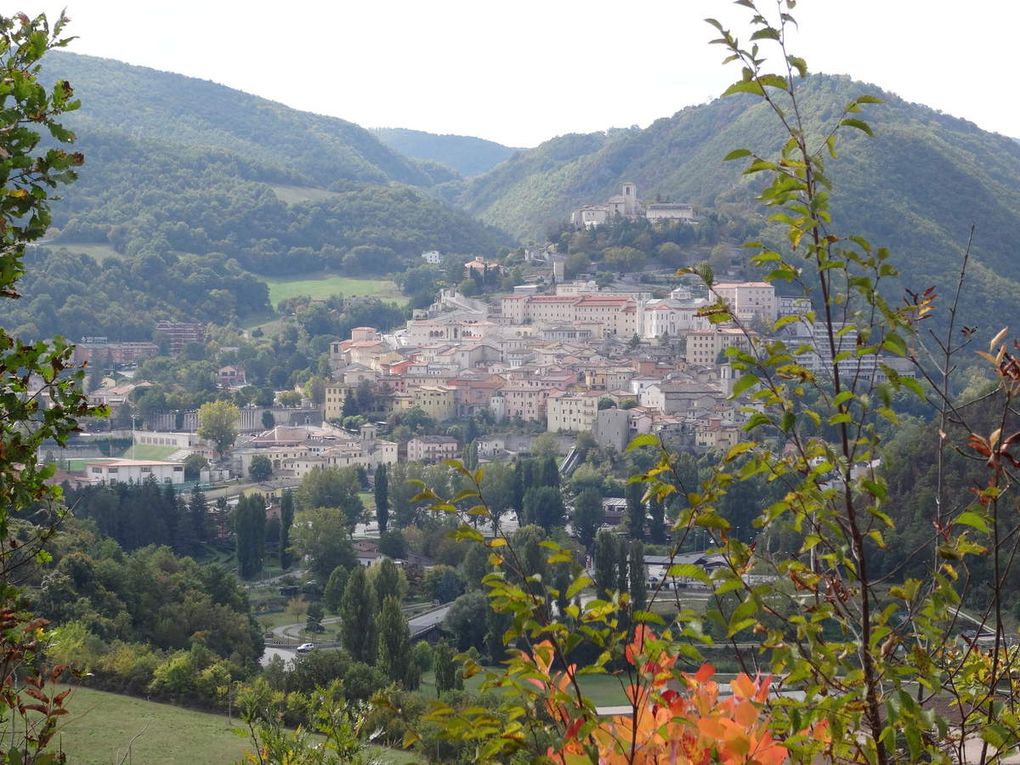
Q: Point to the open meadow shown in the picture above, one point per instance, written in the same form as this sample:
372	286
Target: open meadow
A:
105	728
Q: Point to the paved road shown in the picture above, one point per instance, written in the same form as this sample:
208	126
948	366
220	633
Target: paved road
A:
423	622
284	653
290	633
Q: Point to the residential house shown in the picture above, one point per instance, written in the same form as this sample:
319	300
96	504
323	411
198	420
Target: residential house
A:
689	399
231	376
432	449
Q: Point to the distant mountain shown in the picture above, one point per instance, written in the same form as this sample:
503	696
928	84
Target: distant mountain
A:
916	187
468	156
176	164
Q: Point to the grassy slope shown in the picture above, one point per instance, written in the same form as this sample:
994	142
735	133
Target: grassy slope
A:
103	725
323	286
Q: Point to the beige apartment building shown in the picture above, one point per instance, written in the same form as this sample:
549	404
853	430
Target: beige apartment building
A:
704	346
437	401
573	412
606	314
750	300
432	449
333	405
519	401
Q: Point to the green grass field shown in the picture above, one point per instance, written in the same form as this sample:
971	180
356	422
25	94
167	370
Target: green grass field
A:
148	452
321	286
104	727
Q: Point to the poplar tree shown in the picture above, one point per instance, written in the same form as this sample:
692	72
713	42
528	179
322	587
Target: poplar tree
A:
357	618
395	645
448	674
387	581
333	594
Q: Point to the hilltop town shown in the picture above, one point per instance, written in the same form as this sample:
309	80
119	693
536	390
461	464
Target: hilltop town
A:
565	357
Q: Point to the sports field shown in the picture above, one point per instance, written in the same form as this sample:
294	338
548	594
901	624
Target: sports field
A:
322	286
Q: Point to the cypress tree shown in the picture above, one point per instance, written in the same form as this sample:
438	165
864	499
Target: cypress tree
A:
244	539
605	563
622	567
382	498
549	472
519	485
258	509
635	510
286	521
198	512
657	524
588	516
638	584
471	455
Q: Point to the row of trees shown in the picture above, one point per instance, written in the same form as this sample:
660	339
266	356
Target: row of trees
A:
138	515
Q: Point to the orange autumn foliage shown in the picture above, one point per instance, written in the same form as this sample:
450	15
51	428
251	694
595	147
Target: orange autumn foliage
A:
679	718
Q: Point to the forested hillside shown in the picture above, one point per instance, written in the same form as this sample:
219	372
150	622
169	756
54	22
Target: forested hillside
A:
467	155
142	103
191	190
196	177
175	164
916	187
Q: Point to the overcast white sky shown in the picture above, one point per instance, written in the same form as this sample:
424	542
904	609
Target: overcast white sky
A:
524	71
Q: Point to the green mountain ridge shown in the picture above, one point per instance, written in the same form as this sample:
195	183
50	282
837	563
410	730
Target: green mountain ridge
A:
467	155
179	167
189	188
138	102
916	187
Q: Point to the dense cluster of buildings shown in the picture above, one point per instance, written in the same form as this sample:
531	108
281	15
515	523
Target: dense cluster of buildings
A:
572	360
626	204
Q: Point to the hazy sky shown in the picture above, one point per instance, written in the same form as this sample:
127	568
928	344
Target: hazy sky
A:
521	72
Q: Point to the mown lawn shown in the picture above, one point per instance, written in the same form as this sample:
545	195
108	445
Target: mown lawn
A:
603	690
106	727
321	286
148	452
